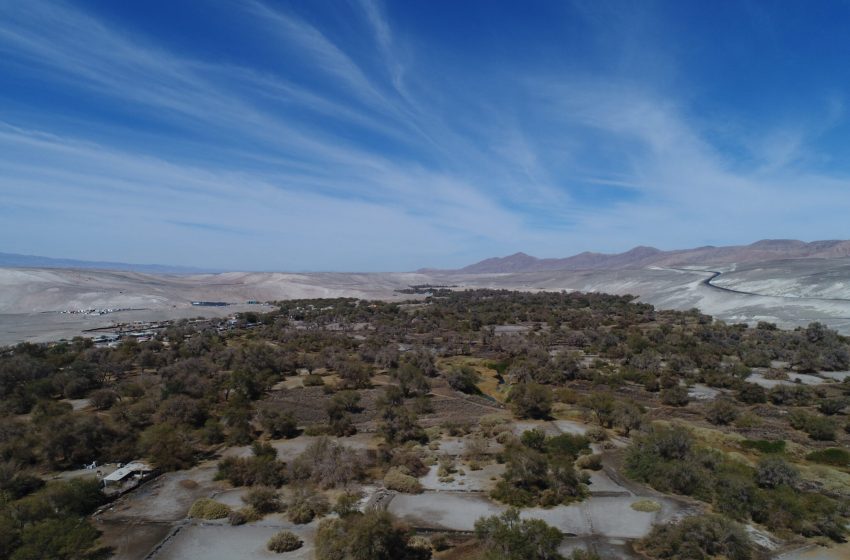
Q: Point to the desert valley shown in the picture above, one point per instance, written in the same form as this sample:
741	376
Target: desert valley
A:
246	414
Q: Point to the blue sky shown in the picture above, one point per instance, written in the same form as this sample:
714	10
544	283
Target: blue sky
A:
376	135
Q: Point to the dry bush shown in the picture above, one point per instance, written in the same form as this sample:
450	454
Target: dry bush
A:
476	447
409	461
263	499
721	412
348	503
596	434
701	536
647	506
206	508
447	466
397	480
236	517
313	380
493	424
590	462
245	515
777	374
327	464
305	505
284	541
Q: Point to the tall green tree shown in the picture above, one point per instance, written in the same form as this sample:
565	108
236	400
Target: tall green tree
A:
507	537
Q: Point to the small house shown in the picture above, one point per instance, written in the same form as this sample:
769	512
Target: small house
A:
135	469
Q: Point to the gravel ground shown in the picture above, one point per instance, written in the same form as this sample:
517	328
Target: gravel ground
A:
166	498
480	481
605	516
212	541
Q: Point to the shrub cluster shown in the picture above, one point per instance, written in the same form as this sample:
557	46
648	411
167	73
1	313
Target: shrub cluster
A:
819	428
531	400
51	521
397	480
463	379
830	456
263	499
507	537
698	538
539	470
284	541
305	505
764	445
669	460
374	535
263	469
327	464
206	508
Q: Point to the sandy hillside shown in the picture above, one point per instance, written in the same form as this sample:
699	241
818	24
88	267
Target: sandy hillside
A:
38	290
789	293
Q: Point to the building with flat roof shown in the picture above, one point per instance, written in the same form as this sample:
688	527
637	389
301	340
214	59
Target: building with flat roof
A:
120	475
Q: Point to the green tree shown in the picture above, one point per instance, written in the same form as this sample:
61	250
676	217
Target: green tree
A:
531	400
701	537
411	380
775	471
750	393
721	412
170	448
238	414
263	499
507	537
398	423
675	396
373	535
628	416
67	538
603	407
277	423
463	379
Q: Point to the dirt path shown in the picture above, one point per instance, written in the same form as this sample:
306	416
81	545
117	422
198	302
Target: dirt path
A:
715	274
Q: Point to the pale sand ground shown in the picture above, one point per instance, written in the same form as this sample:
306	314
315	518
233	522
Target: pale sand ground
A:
470	481
47	327
147	516
289	449
790	294
603	516
220	541
836	552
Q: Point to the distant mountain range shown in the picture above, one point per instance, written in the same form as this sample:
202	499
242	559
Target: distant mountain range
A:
12	260
641	257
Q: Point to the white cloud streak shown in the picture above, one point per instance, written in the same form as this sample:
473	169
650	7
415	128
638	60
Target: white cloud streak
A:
440	180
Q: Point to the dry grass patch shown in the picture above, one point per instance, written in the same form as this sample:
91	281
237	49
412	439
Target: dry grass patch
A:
833	479
284	541
648	506
399	481
716	439
488	385
206	508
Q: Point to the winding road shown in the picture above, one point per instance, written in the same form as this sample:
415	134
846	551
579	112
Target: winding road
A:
714	274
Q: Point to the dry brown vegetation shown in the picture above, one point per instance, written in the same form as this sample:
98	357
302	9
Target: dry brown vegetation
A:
444	367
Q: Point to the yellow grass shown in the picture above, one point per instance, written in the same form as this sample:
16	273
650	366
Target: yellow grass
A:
646	505
489	384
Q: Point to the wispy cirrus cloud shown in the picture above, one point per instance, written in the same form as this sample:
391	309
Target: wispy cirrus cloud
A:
340	142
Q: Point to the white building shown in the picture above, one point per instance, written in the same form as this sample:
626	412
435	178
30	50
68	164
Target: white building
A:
136	468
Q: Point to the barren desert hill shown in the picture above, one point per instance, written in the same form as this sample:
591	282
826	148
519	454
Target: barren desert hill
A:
35	290
641	257
791	283
16	260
